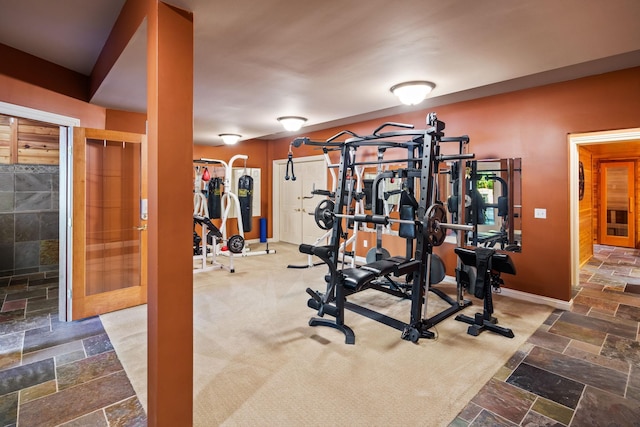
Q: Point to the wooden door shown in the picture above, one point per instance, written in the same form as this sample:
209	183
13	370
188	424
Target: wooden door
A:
617	211
109	238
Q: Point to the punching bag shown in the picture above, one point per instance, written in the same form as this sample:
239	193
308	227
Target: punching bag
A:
213	199
245	196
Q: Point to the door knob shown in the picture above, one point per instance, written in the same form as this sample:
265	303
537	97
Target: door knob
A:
141	228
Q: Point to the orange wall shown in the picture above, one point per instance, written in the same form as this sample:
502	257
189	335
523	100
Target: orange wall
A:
125	121
18	92
27	95
532	124
29	68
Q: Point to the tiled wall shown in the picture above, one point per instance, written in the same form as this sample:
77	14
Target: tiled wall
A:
29	205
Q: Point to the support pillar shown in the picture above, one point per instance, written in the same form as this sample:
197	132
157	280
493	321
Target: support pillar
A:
170	136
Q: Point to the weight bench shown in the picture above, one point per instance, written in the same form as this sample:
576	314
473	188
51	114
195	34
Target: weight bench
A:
358	279
489	264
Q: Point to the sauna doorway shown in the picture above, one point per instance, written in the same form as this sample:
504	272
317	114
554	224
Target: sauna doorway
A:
617	215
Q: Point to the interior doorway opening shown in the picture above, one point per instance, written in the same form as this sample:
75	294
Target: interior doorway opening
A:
65	124
617	144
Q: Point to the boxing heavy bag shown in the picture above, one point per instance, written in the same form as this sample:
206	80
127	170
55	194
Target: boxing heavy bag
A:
213	200
245	196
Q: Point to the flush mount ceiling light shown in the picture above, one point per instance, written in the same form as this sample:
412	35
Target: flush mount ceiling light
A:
412	93
292	123
230	138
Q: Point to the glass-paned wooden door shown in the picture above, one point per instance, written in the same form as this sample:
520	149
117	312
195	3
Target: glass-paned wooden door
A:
109	222
617	204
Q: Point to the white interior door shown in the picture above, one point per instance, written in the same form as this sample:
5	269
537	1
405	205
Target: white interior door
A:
315	174
290	208
295	203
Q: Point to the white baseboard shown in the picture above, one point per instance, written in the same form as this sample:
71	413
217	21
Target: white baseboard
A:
525	296
537	299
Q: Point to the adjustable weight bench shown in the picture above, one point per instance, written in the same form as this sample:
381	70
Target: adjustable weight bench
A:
350	281
358	279
489	264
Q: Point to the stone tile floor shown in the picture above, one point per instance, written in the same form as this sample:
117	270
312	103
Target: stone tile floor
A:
581	367
57	373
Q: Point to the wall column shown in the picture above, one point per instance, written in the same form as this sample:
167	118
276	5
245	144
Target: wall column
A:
170	133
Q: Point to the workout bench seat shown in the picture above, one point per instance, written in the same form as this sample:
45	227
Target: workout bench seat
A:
357	279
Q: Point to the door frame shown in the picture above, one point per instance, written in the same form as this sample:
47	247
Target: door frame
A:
575	140
65	123
604	238
276	188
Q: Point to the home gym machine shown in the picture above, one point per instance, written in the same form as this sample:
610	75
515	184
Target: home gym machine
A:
207	237
425	226
221	202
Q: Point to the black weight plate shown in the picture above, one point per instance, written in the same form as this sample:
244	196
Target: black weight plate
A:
323	214
235	244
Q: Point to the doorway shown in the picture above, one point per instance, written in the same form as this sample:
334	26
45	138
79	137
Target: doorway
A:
621	145
617	197
64	123
293	203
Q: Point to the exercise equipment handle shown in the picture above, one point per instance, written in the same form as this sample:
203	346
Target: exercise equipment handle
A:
321	252
446	157
374	219
344	132
384	125
323	193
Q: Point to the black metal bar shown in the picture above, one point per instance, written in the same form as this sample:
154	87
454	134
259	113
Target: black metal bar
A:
374	315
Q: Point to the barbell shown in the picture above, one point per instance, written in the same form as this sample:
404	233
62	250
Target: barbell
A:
434	223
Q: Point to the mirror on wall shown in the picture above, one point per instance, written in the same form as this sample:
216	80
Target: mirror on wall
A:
492	202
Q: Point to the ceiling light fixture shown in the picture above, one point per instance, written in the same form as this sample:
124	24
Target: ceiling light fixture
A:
292	123
230	138
412	93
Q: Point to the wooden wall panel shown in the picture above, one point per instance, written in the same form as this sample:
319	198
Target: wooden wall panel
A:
27	141
586	208
38	143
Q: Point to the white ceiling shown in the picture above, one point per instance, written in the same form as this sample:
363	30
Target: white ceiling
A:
333	61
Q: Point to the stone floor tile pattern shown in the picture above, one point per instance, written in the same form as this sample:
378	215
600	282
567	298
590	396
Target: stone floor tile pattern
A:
56	373
581	367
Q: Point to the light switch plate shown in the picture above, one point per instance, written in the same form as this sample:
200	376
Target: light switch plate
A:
539	213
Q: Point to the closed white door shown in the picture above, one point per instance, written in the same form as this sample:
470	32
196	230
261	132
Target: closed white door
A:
315	173
296	204
290	208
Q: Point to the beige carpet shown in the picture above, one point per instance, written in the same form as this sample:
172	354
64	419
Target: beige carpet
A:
257	362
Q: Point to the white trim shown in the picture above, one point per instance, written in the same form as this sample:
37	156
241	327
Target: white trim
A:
536	299
66	124
275	184
43	116
605	137
524	296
